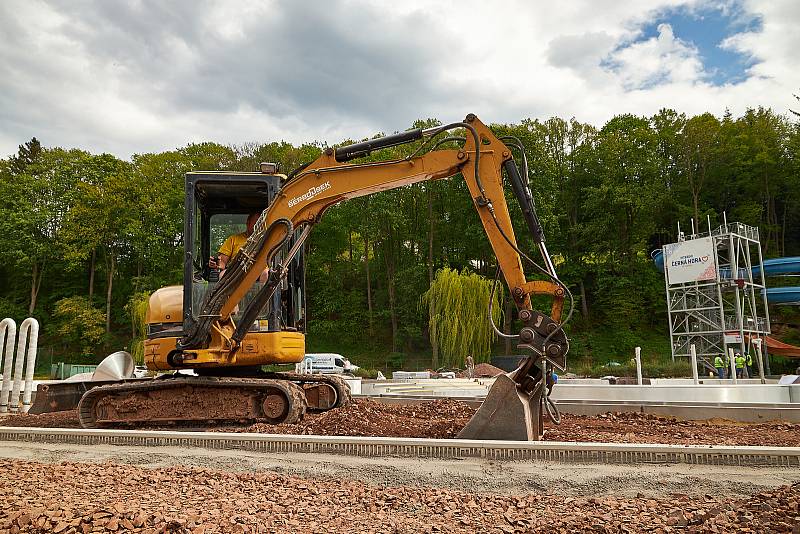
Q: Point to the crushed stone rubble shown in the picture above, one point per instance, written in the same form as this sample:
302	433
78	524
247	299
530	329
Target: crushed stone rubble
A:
82	498
444	419
65	419
364	417
646	428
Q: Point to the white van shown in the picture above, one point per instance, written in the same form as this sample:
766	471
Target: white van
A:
328	363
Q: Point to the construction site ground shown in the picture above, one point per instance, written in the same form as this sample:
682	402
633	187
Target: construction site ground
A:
444	418
69	488
48	487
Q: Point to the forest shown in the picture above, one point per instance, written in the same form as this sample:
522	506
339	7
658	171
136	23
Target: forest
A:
84	238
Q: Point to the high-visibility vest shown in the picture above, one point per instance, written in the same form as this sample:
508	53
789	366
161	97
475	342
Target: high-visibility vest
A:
749	360
718	362
740	362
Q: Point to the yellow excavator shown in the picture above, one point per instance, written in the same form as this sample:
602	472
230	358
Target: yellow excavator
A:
227	329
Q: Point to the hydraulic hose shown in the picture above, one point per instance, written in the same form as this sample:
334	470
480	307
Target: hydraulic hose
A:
491	302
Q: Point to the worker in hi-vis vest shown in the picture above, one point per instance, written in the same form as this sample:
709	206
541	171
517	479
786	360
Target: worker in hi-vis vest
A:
739	359
719	363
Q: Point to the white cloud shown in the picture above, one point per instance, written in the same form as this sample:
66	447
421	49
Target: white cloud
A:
135	77
657	61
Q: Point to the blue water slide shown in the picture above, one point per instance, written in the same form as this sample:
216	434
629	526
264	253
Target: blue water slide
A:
773	267
783	295
658	257
778	266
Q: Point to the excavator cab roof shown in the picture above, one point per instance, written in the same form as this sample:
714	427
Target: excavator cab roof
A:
231	192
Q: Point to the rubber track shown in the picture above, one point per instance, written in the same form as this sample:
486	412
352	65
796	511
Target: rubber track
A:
343	395
294	393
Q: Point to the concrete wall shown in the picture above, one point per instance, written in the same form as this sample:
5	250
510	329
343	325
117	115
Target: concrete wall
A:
766	393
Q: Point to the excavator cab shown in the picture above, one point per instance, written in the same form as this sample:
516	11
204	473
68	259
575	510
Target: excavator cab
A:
217	205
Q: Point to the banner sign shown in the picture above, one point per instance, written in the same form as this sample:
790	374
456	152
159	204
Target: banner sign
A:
690	261
733	338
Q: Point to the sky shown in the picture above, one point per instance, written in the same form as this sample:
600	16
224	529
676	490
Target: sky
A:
140	76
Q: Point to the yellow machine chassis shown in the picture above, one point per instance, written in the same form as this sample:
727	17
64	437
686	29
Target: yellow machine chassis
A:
257	348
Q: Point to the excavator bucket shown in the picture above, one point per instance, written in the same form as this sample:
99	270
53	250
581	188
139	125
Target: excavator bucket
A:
507	413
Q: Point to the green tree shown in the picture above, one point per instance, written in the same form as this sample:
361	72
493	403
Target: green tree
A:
699	144
35	204
27	155
97	220
457	305
80	323
155	232
136	309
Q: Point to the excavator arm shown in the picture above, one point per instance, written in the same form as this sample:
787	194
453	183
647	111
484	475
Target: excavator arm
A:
214	339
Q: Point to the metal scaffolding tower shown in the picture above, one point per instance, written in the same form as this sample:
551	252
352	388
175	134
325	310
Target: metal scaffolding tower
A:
727	308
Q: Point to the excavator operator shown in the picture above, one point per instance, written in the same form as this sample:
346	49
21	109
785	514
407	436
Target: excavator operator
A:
232	245
230	248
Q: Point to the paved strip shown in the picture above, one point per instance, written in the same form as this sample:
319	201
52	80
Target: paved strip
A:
618	453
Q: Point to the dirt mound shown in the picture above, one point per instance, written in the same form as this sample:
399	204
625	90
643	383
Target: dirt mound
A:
66	419
646	428
487	370
445	418
364	417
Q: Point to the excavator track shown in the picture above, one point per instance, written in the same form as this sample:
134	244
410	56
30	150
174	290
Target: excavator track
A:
193	400
323	392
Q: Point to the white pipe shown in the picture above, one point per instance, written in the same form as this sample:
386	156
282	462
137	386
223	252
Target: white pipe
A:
28	329
760	356
19	362
639	365
8	328
733	365
693	353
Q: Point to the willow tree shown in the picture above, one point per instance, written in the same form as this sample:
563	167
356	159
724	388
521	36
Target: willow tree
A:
137	310
458	320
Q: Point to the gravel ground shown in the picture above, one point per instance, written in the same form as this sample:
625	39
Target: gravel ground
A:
645	428
444	418
655	481
84	497
68	419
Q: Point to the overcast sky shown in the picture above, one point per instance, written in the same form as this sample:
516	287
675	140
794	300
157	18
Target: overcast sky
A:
145	76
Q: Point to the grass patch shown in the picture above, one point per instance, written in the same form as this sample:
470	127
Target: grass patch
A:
650	369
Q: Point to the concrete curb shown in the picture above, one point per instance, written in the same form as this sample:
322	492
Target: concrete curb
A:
615	453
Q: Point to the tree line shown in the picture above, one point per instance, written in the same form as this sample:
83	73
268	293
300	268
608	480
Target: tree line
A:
84	237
